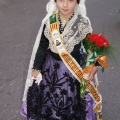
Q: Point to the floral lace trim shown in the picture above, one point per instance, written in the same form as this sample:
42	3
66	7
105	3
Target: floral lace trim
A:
75	31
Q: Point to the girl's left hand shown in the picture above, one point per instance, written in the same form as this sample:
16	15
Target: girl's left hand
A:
92	73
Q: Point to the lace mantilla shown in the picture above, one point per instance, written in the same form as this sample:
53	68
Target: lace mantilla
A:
75	31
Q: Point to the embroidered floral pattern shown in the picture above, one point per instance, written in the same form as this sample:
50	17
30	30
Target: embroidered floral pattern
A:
57	97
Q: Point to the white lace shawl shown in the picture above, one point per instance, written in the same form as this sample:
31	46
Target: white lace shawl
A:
75	31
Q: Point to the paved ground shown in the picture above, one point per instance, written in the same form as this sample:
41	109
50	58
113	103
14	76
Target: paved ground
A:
19	24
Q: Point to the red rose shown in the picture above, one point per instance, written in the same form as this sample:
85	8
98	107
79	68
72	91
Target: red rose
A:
93	37
101	41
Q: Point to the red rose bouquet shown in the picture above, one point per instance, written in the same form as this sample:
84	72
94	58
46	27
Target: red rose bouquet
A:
98	49
99	40
97	43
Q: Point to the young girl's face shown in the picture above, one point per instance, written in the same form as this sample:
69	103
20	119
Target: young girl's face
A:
66	7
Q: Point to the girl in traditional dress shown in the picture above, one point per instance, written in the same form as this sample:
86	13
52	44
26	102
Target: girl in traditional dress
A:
52	91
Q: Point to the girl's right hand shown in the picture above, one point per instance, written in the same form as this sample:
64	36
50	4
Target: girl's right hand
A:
35	73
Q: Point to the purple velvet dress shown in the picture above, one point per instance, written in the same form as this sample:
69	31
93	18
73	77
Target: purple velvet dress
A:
57	97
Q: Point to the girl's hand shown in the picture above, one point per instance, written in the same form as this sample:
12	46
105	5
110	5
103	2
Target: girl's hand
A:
92	73
35	73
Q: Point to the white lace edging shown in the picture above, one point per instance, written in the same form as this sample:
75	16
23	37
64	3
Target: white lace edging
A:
70	39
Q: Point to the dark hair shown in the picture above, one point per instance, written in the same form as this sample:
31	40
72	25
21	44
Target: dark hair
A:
78	1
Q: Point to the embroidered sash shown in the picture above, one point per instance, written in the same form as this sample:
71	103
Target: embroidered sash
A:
70	62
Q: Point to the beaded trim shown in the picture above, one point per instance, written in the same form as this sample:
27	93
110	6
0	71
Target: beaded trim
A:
61	26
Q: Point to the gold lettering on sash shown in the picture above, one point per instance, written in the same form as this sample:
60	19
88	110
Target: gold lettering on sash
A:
72	65
92	90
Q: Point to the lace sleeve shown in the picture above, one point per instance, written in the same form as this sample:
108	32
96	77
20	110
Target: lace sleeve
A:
84	27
